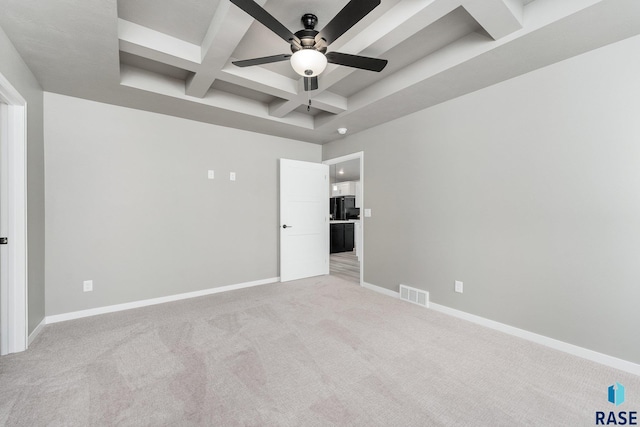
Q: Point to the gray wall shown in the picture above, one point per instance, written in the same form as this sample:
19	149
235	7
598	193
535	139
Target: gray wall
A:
15	70
130	207
527	191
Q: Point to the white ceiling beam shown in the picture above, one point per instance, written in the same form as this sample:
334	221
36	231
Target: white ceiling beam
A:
157	46
174	88
260	79
322	100
280	108
329	102
517	9
325	101
288	90
499	18
228	26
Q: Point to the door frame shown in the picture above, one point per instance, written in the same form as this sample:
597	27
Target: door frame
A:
13	284
353	156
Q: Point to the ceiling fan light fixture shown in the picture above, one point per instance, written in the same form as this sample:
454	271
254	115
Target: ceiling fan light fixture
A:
308	62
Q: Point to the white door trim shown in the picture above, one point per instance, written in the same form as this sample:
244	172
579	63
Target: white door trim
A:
13	301
353	156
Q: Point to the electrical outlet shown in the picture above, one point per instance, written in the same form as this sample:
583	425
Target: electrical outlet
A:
367	213
87	285
459	287
232	176
210	174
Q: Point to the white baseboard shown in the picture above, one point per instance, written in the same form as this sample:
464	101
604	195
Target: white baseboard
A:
37	330
574	350
381	290
153	301
584	353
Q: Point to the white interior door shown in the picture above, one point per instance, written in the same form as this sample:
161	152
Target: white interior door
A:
304	219
13	206
4	324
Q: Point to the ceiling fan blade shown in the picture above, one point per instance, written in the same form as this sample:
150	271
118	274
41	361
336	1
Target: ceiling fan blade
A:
349	16
356	61
310	83
266	19
260	61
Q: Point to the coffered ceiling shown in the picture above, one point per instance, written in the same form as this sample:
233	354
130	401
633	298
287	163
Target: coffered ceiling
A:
174	56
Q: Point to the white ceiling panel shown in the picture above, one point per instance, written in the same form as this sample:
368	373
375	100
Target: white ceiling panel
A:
187	20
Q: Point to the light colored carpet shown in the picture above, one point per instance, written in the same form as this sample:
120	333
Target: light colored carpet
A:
314	352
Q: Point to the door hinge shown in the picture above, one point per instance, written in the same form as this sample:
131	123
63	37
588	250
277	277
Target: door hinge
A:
4	240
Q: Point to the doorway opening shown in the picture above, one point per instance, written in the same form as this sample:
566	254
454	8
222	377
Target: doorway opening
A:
13	223
346	210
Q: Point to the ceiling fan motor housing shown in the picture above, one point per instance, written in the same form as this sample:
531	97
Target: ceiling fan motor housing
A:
308	35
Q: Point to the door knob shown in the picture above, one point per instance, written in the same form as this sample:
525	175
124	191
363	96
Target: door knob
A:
287	226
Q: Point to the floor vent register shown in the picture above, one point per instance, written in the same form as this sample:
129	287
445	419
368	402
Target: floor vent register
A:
415	296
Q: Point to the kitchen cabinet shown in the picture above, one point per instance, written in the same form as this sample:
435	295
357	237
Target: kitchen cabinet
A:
347	188
337	238
342	237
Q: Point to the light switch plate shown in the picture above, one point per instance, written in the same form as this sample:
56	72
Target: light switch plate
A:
232	176
210	174
367	213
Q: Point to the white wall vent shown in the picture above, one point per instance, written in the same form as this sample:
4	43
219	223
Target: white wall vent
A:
413	295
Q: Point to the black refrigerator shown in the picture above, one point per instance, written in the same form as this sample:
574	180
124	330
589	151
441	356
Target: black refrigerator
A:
343	207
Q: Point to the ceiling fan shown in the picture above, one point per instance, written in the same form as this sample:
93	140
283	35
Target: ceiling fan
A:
309	55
